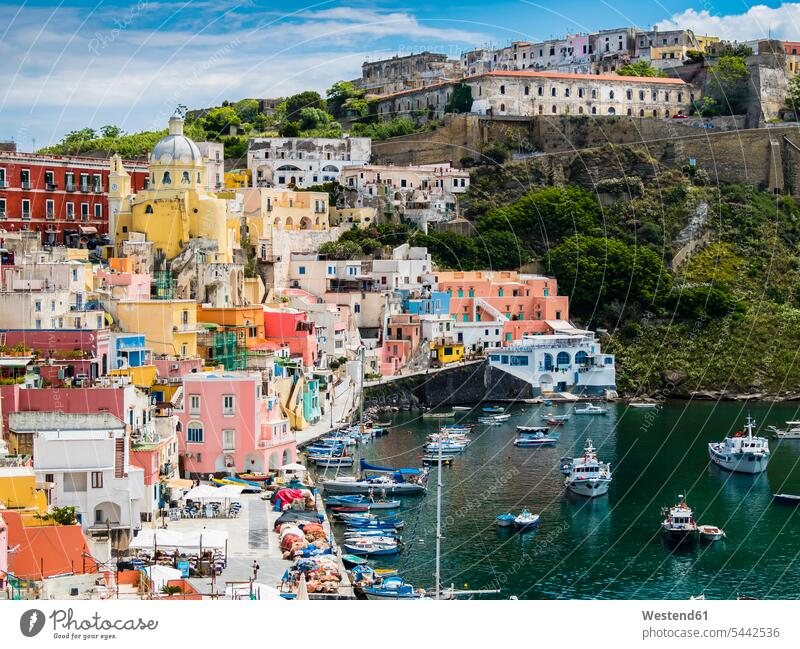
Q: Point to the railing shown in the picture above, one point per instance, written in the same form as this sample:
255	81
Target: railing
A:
3	184
70	187
25	184
26	216
51	186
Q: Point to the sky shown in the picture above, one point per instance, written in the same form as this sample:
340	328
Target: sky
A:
75	63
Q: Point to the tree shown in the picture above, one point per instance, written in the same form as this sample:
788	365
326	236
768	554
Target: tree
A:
460	100
641	68
694	56
544	217
247	109
296	103
598	271
80	135
690	303
793	94
495	153
315	119
60	515
340	249
110	131
343	97
727	83
218	121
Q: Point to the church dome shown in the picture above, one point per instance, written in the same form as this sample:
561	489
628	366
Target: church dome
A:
176	148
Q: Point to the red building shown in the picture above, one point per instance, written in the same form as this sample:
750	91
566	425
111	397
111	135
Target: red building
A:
64	198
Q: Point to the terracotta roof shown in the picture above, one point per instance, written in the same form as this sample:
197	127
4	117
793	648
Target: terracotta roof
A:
543	75
42	552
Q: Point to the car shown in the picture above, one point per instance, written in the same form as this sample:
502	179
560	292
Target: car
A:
680	117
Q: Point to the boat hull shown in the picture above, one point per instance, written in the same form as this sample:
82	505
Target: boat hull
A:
400	489
679	536
589	488
750	463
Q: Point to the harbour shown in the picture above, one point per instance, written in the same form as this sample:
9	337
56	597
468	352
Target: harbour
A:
606	547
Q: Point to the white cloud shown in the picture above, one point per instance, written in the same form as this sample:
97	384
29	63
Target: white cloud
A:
759	21
63	72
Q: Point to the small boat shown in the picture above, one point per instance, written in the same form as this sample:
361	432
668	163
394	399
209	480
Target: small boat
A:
494	419
351	509
555	422
433	457
392	588
438	415
548	402
383	424
553	417
332	461
535	437
742	453
678	523
643	404
710	532
532	429
591	409
361	501
365	575
249	487
526	519
462	407
565	465
787	498
351	560
493	409
367	547
505	520
255	477
792	430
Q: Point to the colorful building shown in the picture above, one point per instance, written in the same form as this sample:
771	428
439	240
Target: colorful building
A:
228	424
291	328
62	198
169	326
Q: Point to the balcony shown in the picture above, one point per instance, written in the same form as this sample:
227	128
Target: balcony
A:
26	216
50	216
51	187
97	189
85	188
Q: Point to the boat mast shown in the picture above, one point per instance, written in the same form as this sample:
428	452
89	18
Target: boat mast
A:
362	354
439	524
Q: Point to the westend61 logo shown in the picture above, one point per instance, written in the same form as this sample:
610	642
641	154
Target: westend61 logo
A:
67	625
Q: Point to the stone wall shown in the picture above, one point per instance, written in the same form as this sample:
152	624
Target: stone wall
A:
464	384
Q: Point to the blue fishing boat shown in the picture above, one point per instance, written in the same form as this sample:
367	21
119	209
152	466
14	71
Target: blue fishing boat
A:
392	588
505	520
361	501
351	560
526	520
535	436
369	547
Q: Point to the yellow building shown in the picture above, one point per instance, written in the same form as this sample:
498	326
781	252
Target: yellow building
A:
283	209
175	207
354	217
18	491
143	376
708	44
169	326
237	179
445	353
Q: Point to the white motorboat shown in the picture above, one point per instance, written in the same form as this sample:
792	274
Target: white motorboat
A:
710	532
678	523
792	430
643	404
553	417
494	419
586	475
743	453
590	409
526	519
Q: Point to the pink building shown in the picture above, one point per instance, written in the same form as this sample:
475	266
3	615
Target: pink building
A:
123	402
401	342
3	552
524	302
77	353
293	329
123	286
227	425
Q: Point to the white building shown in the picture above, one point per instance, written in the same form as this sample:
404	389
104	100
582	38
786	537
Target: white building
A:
85	461
214	158
404	270
568	361
304	161
421	193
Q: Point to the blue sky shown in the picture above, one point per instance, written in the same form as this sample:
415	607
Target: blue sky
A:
78	63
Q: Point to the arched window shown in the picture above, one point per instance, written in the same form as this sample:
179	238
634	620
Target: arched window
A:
194	432
148	209
552	92
167	180
594	93
562	359
581	358
502	108
611	110
185	178
611	94
198	177
527	90
548	361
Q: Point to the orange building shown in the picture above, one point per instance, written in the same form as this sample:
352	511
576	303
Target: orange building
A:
247	320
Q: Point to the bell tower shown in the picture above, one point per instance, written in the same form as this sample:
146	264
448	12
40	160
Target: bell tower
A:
119	191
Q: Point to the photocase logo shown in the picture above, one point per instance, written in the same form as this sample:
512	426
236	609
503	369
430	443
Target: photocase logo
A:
31	622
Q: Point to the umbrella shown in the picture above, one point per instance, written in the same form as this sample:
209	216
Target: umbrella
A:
302	588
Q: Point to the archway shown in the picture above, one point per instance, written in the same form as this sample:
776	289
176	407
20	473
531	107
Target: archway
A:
562	359
305	223
612	111
273	462
254	462
287	457
548	362
107	512
546	383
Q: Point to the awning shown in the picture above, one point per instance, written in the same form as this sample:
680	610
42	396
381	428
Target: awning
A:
15	361
179	483
88	229
165	539
565	327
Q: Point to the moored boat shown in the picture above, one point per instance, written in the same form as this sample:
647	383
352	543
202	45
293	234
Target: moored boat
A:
679	525
505	520
392	588
591	409
643	404
493	409
553	417
710	533
351	560
587	475
792	430
533	437
791	499
438	415
742	453
526	519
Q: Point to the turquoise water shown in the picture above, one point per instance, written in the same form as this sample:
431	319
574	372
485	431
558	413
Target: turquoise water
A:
609	547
